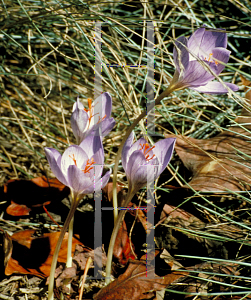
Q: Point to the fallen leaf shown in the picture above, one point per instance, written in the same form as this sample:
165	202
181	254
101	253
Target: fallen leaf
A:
108	190
18	209
33	255
122	248
26	194
135	285
82	253
220	163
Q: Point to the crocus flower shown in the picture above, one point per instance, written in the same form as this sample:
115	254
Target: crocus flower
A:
136	157
86	121
197	58
75	168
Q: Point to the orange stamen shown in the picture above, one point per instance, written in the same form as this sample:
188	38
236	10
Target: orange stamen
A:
91	114
100	120
209	59
88	166
74	159
146	149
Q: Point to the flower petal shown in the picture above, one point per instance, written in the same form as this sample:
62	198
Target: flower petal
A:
212	39
77	105
79	120
137	145
136	169
106	126
73	155
78	180
106	178
215	87
196	74
91	144
164	151
194	41
125	150
54	159
221	55
181	57
102	107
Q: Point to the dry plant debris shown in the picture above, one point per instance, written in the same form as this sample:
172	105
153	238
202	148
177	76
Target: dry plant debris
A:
220	163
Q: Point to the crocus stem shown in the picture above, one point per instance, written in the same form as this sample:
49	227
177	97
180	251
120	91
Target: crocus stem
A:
69	246
69	252
74	205
113	237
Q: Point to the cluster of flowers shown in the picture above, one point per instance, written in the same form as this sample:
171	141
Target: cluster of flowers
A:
198	61
81	166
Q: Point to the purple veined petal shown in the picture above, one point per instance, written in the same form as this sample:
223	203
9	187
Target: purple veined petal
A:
102	107
221	55
106	178
107	101
125	150
212	39
54	157
92	144
78	180
137	145
77	105
215	87
79	122
196	74
100	183
195	40
94	167
98	157
73	155
183	56
106	126
137	170
164	151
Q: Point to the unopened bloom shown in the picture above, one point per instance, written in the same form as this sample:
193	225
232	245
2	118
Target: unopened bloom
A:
197	58
136	156
80	167
86	121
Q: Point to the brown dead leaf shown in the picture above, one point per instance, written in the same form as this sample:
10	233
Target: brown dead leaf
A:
135	285
82	253
217	164
18	209
33	255
25	194
122	249
108	190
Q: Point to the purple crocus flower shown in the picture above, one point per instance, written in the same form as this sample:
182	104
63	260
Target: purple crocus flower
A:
136	157
75	168
197	57
83	121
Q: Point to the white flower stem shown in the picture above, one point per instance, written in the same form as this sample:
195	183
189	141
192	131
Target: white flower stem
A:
69	251
74	205
69	246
